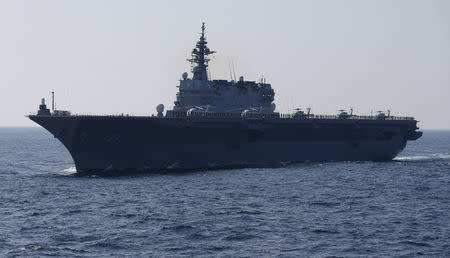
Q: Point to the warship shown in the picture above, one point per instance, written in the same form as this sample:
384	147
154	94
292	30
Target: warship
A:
222	124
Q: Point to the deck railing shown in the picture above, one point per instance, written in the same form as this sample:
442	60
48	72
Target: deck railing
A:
292	116
349	117
178	114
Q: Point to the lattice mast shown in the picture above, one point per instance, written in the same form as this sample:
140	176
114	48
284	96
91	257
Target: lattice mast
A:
199	59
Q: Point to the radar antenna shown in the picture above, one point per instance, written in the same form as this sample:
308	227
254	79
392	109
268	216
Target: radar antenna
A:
229	66
199	59
53	101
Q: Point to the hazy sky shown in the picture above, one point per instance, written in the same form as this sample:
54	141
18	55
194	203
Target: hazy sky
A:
127	56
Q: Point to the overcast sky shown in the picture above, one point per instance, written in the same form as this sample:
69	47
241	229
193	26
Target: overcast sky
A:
127	56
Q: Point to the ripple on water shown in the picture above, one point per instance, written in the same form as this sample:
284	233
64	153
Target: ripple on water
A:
415	243
249	212
325	231
178	228
325	204
321	209
239	237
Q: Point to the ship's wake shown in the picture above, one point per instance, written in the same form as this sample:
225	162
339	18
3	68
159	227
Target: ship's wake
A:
424	158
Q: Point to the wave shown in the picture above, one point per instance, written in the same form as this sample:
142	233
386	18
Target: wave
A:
426	157
69	171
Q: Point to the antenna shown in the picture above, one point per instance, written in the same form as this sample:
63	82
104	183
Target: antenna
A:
351	111
53	101
229	67
199	60
234	73
288	103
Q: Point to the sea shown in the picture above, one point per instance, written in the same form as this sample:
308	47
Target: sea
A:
322	209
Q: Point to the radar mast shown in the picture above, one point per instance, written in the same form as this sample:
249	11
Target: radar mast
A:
199	59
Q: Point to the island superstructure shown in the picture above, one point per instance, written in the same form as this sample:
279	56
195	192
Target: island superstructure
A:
200	93
221	123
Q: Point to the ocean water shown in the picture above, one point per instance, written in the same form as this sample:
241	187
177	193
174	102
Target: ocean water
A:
398	208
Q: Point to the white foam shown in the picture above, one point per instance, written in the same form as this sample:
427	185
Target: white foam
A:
285	163
69	171
434	156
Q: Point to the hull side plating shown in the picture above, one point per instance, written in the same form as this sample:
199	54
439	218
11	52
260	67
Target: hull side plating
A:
151	143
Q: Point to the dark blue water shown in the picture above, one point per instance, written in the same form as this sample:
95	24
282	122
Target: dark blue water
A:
399	208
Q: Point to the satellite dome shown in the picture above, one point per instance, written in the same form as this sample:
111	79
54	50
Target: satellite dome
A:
184	75
160	108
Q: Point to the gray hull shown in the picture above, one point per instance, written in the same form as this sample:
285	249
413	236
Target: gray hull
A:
102	143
